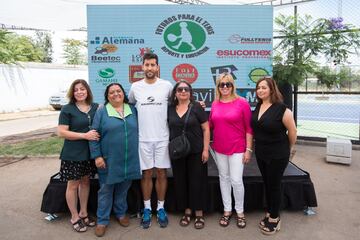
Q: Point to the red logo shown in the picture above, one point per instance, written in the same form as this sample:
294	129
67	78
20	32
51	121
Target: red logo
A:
185	72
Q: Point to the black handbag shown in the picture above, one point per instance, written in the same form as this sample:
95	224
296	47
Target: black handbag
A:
179	147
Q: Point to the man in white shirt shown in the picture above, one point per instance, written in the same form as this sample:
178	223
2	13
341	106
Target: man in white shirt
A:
150	97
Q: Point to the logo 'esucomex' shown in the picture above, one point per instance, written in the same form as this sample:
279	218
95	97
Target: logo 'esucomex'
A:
117	40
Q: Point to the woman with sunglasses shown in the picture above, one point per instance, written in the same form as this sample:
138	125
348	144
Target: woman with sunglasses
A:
275	134
190	173
232	142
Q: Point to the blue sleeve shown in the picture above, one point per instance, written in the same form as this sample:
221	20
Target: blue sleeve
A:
95	147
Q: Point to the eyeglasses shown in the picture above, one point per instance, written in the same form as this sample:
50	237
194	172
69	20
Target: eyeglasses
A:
225	84
182	89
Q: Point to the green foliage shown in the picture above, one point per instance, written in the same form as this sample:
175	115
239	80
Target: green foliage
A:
49	146
333	77
43	42
302	39
73	51
14	48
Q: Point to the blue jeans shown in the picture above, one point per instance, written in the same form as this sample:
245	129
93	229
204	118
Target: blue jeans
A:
110	195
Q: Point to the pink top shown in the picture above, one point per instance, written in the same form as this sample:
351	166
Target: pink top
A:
230	123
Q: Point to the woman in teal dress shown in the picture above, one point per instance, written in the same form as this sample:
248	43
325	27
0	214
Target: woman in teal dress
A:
76	166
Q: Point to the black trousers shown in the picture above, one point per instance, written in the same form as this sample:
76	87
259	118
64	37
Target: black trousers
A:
272	172
190	182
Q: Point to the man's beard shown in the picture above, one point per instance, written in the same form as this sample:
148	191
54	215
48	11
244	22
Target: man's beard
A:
150	75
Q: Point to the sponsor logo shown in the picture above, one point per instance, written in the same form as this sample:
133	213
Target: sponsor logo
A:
237	39
206	95
105	59
106	49
247	53
117	40
136	73
151	101
217	70
249	94
185	72
258	73
106	73
106	76
138	58
184	35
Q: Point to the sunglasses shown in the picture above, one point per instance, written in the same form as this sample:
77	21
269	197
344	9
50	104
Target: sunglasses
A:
225	84
182	89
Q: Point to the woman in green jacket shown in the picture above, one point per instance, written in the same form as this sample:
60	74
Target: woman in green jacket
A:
116	155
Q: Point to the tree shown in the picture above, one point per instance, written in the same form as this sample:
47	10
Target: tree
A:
44	43
15	48
73	51
303	39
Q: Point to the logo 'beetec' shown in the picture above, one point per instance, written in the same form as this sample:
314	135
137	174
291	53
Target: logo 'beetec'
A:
237	39
185	72
184	35
106	76
246	53
217	70
105	49
258	73
138	58
117	40
106	73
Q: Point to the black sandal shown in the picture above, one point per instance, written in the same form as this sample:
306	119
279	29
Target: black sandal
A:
240	221
79	226
185	220
225	220
88	221
262	222
199	222
271	228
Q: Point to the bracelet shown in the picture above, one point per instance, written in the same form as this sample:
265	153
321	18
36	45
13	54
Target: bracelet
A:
249	149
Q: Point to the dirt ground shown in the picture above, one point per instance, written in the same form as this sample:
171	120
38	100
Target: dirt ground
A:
337	216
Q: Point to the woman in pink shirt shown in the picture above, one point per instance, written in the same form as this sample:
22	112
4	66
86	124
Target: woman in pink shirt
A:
230	118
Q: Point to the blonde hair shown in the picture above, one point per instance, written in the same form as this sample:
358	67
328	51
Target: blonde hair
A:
228	77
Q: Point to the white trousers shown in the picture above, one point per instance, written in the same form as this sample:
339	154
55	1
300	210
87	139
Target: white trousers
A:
231	169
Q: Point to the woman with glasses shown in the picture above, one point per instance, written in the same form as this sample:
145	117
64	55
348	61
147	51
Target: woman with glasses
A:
232	142
190	172
275	135
116	155
76	166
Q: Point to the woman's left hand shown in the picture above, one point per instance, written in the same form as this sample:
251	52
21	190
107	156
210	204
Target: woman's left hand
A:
246	157
205	156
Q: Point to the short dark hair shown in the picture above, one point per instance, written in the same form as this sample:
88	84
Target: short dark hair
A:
126	100
151	56
173	99
275	95
70	93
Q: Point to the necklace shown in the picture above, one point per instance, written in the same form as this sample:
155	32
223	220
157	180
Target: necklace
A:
83	108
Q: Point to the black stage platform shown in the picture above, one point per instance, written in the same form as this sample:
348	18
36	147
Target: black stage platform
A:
298	191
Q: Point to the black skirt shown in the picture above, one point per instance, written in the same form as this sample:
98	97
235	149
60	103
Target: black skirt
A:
75	170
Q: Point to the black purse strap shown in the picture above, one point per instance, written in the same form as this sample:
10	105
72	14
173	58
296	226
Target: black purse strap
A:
187	118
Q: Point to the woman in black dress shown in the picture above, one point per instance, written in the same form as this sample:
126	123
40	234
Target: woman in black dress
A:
74	125
275	135
190	173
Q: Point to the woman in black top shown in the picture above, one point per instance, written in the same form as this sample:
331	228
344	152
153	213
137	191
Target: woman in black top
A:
275	135
74	125
190	173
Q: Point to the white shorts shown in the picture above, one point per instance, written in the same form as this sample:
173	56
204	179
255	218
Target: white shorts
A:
154	155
